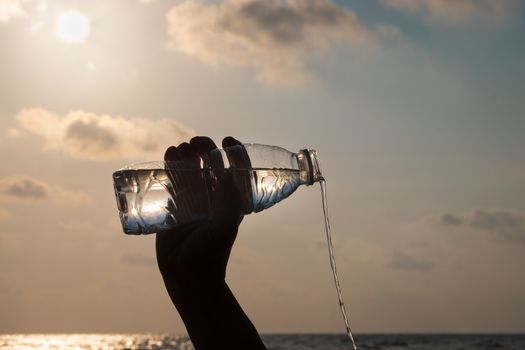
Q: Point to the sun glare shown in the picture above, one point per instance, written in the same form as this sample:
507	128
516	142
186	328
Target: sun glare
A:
72	27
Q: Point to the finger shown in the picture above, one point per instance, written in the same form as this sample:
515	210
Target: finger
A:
229	141
202	145
187	151
226	217
172	153
238	159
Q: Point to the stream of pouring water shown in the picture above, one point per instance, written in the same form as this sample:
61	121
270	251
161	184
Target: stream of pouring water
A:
332	261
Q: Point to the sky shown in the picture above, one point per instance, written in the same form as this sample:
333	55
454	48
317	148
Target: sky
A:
416	108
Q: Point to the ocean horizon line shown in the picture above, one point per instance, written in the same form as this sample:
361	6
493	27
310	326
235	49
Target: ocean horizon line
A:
415	333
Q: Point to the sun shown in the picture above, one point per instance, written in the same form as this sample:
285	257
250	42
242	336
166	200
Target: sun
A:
73	27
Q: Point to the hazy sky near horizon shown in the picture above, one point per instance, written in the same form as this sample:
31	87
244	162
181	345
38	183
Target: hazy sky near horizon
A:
415	106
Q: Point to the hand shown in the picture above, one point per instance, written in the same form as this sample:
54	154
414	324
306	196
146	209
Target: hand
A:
197	253
193	258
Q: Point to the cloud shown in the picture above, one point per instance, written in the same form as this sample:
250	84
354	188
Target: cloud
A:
13	133
454	11
10	9
15	9
274	37
26	187
101	137
504	223
403	261
450	220
138	259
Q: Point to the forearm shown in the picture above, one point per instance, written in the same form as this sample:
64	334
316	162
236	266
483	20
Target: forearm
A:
213	317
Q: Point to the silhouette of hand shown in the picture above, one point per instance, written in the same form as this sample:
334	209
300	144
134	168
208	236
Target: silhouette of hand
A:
193	258
197	253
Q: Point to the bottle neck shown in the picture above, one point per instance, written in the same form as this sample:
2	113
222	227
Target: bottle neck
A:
309	166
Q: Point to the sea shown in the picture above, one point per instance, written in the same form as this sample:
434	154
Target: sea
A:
272	342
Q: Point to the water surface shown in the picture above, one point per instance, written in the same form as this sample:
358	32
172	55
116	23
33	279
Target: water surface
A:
272	341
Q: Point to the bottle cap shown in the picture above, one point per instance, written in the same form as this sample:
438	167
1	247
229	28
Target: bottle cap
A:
314	168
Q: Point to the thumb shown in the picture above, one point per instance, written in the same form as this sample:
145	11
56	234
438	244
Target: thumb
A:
228	207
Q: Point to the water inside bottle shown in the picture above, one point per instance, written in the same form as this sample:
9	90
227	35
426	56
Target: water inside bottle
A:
322	183
143	197
151	200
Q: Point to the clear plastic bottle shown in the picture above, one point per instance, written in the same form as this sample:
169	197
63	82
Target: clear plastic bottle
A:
158	196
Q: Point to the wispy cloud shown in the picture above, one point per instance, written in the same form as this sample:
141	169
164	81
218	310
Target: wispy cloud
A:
13	9
454	11
274	37
10	9
504	223
402	261
26	187
448	219
101	137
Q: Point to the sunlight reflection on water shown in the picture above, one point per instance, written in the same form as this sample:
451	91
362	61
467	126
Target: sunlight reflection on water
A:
272	342
94	342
